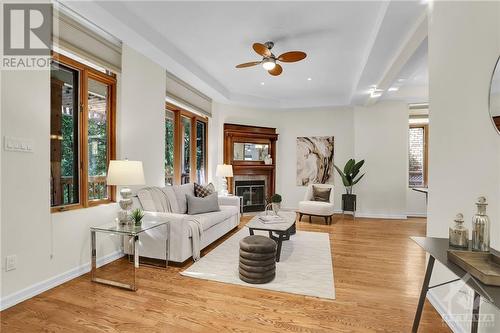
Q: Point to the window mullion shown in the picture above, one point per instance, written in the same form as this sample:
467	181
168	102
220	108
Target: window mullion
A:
84	137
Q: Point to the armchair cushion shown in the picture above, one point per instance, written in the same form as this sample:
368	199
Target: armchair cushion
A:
321	194
316	208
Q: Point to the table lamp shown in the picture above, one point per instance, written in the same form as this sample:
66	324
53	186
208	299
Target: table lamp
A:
224	171
125	173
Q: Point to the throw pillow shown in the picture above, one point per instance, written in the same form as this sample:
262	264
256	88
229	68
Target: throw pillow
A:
180	192
321	194
201	191
197	205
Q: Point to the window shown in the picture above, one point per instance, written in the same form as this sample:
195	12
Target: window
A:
82	134
417	155
185	146
201	150
186	150
169	147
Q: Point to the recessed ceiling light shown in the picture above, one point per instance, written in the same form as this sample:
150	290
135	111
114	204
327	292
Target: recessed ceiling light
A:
309	79
262	83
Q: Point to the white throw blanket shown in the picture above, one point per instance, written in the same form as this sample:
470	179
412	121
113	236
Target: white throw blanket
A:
162	204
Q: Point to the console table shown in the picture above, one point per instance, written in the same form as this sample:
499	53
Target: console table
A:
437	249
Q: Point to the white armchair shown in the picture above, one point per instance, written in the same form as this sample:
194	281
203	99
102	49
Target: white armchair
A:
317	208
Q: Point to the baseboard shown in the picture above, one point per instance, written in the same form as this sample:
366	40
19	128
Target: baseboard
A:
416	214
40	287
441	309
366	215
382	216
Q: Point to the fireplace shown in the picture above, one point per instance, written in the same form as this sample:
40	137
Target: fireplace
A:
253	193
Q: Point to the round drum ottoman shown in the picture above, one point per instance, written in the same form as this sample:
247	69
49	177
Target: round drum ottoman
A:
257	259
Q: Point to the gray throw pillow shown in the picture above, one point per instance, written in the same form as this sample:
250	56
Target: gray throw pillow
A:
321	194
197	205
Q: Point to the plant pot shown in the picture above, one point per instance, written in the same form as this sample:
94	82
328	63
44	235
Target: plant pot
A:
349	202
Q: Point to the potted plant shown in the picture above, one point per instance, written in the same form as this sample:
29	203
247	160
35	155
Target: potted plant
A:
137	215
349	174
276	202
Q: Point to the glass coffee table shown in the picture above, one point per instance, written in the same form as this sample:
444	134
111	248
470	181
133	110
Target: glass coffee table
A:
278	232
132	231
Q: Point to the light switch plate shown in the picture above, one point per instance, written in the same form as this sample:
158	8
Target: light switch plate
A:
10	263
18	144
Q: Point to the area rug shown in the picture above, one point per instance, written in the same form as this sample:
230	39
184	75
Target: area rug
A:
305	266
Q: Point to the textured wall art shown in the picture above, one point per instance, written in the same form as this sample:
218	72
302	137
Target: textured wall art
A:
314	160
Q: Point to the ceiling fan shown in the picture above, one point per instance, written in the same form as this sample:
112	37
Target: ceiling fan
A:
269	59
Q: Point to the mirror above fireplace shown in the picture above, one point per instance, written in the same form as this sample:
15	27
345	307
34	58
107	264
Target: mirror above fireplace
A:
250	151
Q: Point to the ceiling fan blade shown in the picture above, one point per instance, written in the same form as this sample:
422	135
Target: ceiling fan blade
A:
248	64
292	56
277	70
261	49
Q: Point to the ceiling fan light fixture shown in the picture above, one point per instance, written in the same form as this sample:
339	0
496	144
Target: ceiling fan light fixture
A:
269	64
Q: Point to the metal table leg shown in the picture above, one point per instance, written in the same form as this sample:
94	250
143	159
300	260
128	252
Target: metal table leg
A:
423	294
475	313
93	255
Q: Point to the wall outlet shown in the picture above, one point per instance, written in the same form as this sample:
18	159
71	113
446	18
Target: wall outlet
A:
10	263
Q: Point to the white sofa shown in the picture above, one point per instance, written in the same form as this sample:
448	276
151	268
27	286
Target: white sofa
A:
215	225
317	208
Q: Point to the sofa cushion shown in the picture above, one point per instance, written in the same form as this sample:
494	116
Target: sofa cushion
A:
172	198
146	200
208	220
207	204
203	191
180	193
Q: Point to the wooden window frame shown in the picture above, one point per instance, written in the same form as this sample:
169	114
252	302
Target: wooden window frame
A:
86	73
425	127
178	137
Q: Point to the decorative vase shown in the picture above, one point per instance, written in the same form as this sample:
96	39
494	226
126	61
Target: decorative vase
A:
268	160
276	207
459	235
481	227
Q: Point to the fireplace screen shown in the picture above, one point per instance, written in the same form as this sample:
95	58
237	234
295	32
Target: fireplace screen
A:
253	193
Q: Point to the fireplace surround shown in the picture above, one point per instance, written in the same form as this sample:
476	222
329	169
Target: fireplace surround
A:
251	168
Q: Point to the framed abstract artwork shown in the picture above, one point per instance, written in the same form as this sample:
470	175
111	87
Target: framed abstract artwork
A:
314	160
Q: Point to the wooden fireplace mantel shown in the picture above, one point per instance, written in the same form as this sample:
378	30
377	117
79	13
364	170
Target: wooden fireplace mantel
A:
251	134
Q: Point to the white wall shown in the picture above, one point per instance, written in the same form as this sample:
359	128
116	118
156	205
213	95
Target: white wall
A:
386	129
464	44
381	139
51	248
142	118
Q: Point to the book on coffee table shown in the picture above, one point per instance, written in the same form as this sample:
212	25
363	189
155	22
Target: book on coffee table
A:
267	219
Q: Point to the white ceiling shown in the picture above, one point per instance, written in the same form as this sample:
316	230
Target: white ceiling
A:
351	45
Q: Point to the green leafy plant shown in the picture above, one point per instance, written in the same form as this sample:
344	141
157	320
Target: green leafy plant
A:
276	198
137	215
351	170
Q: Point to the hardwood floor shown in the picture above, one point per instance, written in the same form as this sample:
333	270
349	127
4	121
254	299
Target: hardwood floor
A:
378	274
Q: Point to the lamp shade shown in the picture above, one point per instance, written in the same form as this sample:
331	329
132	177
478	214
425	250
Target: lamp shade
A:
125	172
224	170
